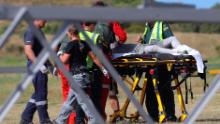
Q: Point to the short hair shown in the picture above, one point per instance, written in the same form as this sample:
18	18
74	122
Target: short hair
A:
40	19
99	3
73	30
89	23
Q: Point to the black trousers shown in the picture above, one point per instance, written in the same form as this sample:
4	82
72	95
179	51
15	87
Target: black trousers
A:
96	88
166	93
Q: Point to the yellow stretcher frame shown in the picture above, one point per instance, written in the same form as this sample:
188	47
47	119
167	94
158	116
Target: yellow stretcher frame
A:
146	62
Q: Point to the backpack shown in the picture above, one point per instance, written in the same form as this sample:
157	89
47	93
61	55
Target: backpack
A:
106	34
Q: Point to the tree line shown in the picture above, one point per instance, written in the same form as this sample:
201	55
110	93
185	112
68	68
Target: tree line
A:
181	27
52	27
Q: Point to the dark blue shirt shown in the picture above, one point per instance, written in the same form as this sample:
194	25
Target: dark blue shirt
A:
31	39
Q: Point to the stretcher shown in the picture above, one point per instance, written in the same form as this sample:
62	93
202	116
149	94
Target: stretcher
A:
136	66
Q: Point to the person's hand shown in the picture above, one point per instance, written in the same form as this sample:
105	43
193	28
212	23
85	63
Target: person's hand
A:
55	71
138	39
114	45
105	72
44	69
59	53
50	68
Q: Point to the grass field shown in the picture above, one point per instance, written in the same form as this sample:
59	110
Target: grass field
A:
8	82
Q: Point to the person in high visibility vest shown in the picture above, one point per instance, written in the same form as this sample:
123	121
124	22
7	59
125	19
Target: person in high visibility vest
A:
100	82
112	34
96	85
157	42
89	28
158	31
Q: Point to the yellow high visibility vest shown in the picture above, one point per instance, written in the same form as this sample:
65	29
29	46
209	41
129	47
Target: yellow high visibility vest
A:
157	32
93	37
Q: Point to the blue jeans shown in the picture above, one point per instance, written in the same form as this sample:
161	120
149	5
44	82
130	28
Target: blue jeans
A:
83	80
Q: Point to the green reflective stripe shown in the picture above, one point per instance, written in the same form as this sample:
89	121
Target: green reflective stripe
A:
160	35
154	32
145	33
94	37
157	32
89	62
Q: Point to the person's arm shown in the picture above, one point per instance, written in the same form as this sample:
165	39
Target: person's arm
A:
63	43
119	32
97	62
95	59
65	58
139	39
29	40
56	49
67	50
30	53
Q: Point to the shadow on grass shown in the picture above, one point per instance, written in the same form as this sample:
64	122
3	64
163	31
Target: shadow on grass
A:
208	120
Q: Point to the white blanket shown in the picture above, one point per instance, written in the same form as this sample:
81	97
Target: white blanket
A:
197	56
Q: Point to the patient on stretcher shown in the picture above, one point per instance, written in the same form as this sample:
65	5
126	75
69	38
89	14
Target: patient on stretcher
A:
171	46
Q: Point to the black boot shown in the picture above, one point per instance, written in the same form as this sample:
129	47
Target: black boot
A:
171	118
25	122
